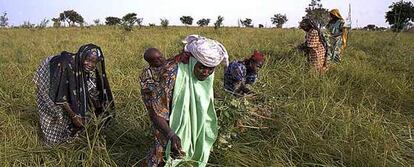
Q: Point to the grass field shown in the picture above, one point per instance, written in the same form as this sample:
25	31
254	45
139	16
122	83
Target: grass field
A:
361	113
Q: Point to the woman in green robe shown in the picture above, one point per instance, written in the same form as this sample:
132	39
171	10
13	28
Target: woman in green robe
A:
183	116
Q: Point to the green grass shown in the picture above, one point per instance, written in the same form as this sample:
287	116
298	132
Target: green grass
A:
361	113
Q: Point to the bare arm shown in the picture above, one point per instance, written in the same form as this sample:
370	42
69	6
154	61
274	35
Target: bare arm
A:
76	119
240	88
162	125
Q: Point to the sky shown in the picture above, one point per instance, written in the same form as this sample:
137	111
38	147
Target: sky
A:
364	12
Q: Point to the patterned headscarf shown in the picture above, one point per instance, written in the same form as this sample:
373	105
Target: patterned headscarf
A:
207	51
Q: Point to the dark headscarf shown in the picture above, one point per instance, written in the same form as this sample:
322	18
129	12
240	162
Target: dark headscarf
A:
309	22
68	81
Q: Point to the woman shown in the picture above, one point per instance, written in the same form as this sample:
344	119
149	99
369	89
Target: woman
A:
68	86
314	46
336	36
239	74
184	119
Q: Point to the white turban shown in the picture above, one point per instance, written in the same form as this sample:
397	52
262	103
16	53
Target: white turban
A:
207	51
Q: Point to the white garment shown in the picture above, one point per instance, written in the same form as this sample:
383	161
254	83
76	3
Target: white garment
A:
207	51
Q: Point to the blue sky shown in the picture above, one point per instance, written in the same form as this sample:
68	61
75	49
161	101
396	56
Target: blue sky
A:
363	11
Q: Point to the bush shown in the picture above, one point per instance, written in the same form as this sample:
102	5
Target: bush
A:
164	23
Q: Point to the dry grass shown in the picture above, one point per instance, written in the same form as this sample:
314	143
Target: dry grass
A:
359	114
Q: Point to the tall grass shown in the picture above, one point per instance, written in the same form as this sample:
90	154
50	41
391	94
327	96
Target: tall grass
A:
359	114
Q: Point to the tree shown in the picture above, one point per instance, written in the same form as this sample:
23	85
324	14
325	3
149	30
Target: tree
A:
112	21
371	27
279	20
164	23
186	20
71	17
381	29
129	20
97	21
203	22
4	20
219	22
400	15
139	22
246	22
316	12
56	22
27	24
43	23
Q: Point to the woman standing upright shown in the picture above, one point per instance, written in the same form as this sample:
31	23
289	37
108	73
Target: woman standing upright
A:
336	36
68	86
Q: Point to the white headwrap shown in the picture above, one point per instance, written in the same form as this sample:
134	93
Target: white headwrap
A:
207	51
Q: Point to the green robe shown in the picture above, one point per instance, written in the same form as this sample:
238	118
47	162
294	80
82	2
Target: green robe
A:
193	117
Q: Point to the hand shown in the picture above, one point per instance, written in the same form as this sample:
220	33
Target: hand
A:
98	111
302	47
247	91
183	57
177	152
251	94
78	121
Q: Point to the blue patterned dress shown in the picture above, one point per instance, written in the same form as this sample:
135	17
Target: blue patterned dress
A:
235	73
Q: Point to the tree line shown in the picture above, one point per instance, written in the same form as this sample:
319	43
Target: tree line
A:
73	18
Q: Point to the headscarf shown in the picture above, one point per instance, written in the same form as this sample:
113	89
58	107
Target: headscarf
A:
257	56
309	22
345	30
207	51
69	78
336	13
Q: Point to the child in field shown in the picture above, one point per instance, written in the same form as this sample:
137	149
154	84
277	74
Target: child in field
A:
150	76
